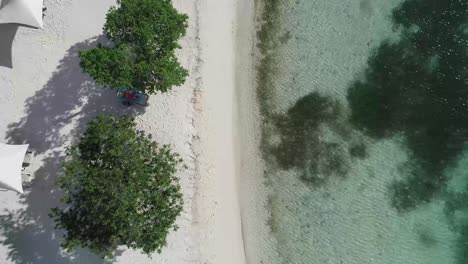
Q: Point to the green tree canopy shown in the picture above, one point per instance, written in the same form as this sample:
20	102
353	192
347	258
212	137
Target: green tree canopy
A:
145	35
119	188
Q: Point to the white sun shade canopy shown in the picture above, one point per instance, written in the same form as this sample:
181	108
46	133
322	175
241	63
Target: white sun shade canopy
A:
11	162
26	12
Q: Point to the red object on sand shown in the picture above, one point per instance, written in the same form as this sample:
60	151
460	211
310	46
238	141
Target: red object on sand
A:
130	95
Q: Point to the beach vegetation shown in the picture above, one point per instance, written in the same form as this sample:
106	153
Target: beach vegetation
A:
417	88
119	189
268	36
144	36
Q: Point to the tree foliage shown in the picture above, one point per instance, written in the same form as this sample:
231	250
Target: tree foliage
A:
119	188
145	35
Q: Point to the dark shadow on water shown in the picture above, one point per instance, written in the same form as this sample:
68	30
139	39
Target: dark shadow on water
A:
303	145
418	88
426	237
462	245
456	211
55	115
7	35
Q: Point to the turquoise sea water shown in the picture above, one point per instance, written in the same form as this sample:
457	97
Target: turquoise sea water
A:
365	124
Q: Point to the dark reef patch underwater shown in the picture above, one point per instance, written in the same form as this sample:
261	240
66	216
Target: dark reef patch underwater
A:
418	87
301	137
364	167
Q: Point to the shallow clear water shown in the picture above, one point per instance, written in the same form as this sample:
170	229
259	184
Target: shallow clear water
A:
365	108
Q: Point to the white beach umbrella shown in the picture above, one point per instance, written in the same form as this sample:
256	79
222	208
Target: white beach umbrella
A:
11	161
26	12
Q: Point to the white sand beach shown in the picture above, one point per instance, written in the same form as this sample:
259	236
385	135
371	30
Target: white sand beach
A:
46	101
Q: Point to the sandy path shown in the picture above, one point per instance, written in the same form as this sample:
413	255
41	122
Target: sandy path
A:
218	132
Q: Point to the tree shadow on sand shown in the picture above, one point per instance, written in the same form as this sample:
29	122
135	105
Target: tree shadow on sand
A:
7	33
418	88
55	116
